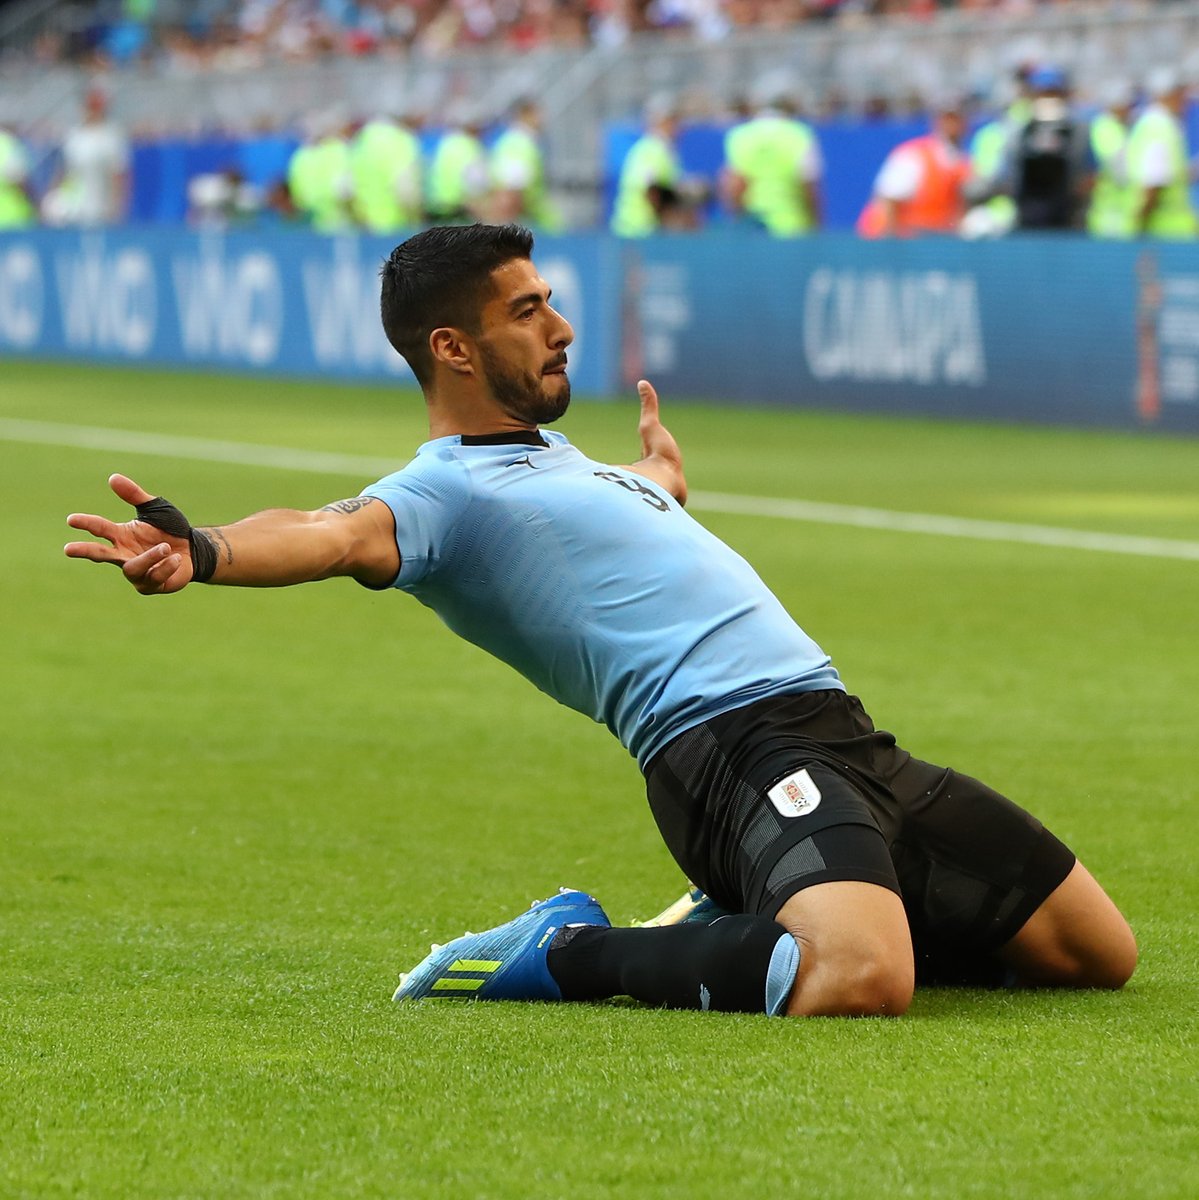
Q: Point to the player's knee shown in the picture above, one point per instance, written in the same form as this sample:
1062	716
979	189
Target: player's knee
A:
869	986
1109	965
882	987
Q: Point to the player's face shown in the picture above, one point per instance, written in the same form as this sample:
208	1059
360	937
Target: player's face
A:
522	346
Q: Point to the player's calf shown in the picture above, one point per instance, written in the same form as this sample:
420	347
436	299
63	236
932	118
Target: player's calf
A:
737	963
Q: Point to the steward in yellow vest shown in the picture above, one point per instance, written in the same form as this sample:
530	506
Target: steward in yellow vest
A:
319	178
518	173
458	182
16	209
1114	199
650	174
772	169
385	163
1158	163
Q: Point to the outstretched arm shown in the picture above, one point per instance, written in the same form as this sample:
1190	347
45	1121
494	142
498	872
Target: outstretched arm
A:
661	459
160	552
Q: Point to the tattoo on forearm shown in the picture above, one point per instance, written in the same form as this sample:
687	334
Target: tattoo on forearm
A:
215	535
345	507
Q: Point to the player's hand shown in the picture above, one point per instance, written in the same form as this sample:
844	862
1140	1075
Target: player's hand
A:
658	447
156	563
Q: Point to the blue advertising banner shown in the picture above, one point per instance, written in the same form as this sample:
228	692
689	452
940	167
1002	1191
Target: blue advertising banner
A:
1059	329
278	303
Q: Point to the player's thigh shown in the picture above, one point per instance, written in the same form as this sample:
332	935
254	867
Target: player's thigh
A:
855	950
973	866
1076	938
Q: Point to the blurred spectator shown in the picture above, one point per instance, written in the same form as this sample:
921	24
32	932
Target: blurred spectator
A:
16	203
93	186
220	199
278	208
1052	167
993	211
1113	209
1158	162
458	181
319	177
518	172
648	194
773	165
385	164
921	187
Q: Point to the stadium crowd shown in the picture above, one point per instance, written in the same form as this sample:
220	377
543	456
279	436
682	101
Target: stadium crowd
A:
243	34
1118	167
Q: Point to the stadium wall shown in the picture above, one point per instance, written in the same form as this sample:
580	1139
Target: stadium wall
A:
1059	330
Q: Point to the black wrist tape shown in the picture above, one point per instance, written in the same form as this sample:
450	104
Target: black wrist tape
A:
203	556
162	514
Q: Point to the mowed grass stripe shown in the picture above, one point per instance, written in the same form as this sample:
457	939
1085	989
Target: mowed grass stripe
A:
127	441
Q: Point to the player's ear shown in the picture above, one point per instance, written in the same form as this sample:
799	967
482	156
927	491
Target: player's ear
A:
453	349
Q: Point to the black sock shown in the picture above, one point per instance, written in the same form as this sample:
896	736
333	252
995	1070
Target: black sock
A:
725	966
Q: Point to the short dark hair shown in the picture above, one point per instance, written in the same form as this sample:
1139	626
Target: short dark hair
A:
441	277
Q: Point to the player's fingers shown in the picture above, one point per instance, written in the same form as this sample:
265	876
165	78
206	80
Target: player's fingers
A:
159	575
130	492
90	523
649	426
180	577
649	401
93	551
140	565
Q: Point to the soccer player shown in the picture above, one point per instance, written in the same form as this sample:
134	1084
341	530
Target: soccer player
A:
848	869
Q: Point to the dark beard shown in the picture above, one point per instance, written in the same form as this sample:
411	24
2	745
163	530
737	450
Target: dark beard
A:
521	394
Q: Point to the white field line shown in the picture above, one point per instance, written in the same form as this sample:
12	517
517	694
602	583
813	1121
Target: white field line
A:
941	526
243	454
122	441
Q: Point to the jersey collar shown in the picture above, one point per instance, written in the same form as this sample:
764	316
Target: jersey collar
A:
508	437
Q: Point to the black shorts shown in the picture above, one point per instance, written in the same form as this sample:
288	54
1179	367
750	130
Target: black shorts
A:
791	791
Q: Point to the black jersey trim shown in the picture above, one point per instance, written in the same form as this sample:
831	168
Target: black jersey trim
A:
509	437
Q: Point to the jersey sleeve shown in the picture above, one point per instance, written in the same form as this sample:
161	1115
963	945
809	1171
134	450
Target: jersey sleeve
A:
14	162
427	500
512	173
1154	168
512	160
810	167
900	175
735	148
118	150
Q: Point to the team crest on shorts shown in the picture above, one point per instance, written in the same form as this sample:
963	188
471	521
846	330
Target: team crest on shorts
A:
795	796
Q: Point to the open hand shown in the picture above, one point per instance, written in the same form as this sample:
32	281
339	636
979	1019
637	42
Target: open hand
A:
155	563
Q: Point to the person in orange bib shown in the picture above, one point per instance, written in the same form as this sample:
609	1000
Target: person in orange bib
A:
921	186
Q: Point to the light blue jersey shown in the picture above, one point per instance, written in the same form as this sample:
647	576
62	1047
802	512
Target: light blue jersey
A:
595	585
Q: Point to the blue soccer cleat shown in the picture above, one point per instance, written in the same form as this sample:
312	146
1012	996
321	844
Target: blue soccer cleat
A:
505	963
694	907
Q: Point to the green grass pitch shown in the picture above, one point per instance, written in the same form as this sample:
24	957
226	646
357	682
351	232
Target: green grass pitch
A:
230	818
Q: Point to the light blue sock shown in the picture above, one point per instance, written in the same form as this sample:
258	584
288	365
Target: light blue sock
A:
780	976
